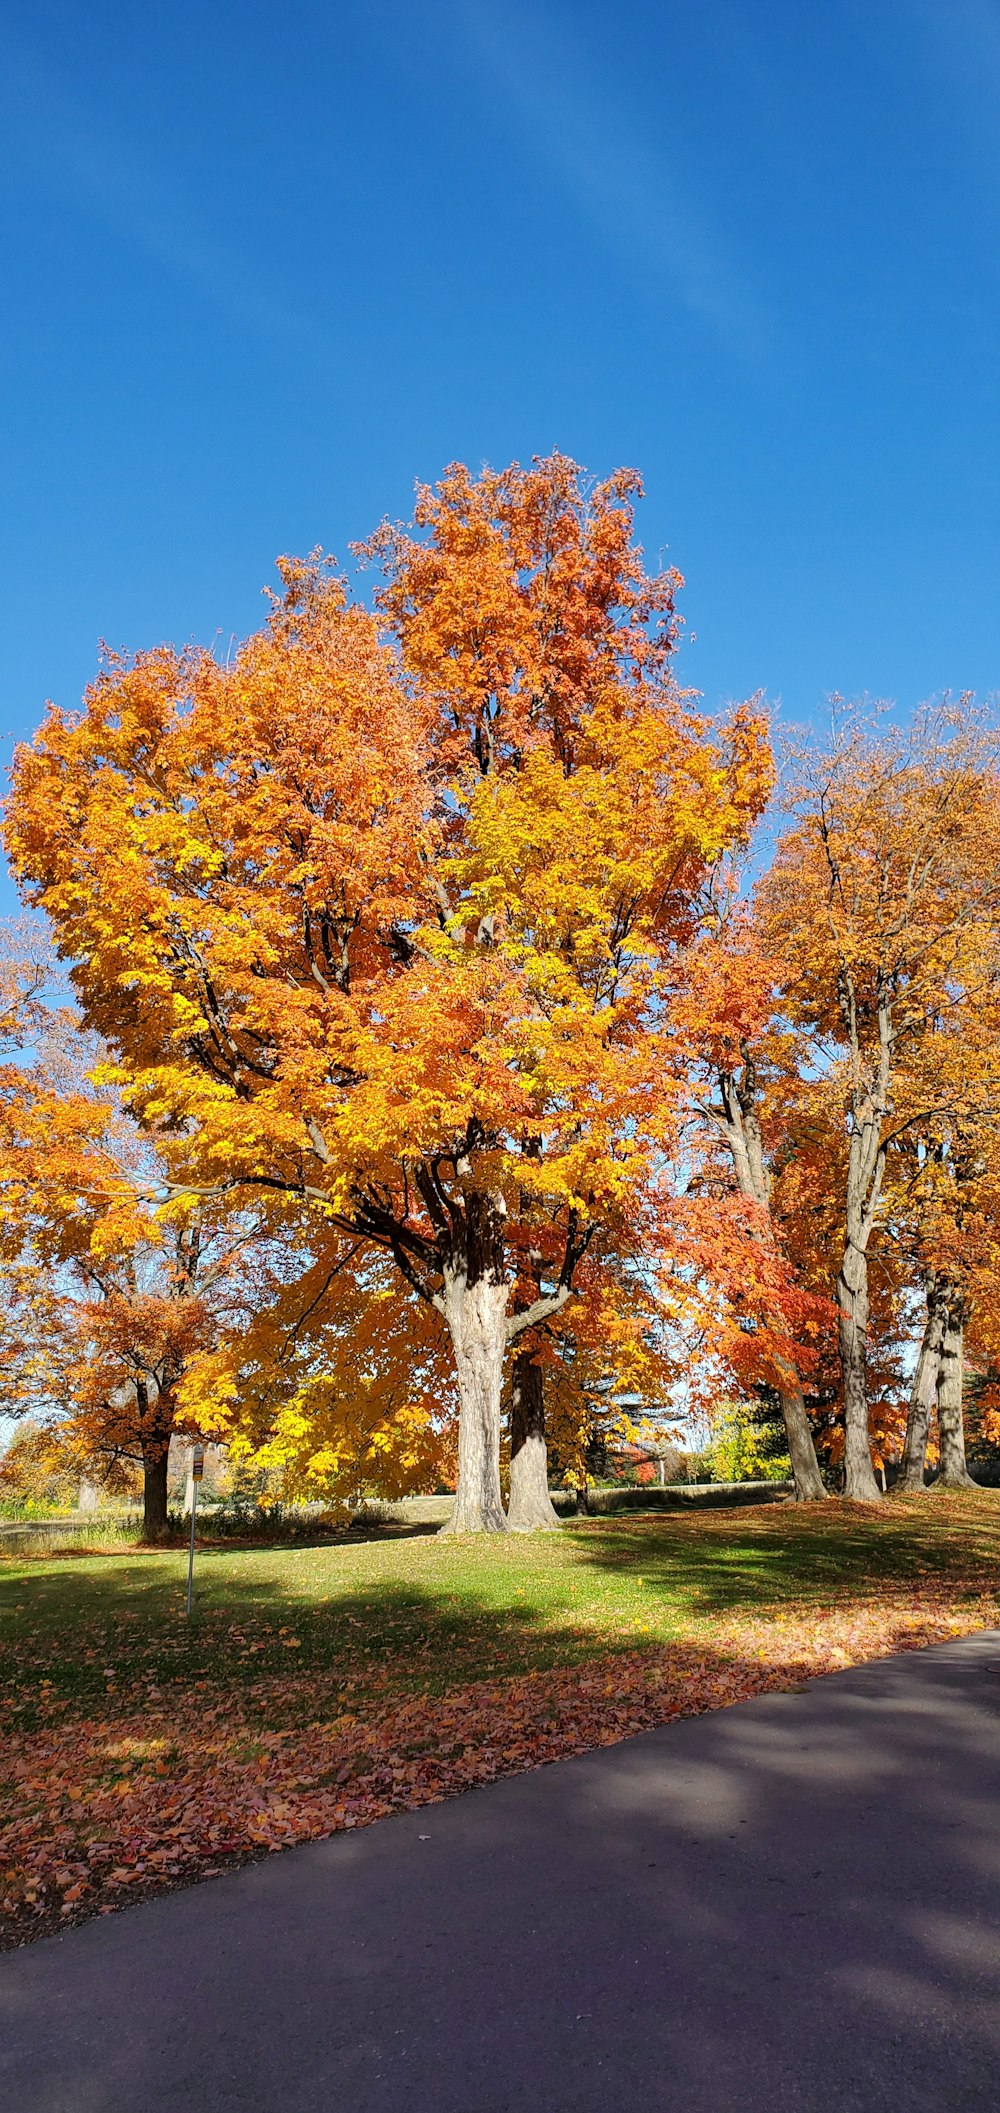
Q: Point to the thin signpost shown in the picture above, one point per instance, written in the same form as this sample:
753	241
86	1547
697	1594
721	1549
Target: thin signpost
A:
197	1471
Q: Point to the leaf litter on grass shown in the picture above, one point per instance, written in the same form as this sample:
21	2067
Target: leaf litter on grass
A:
130	1799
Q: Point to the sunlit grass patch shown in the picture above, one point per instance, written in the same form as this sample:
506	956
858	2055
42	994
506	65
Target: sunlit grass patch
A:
322	1687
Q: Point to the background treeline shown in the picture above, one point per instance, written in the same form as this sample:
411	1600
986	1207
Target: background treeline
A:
415	1059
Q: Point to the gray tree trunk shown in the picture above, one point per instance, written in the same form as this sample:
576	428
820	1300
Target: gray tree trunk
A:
530	1508
809	1483
951	1426
865	1171
473	1301
476	1314
923	1395
852	1302
740	1126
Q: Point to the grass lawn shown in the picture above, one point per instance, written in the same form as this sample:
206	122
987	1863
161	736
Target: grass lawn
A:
318	1688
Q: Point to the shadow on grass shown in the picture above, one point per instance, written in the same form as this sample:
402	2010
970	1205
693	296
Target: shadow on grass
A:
123	1641
804	1555
451	1613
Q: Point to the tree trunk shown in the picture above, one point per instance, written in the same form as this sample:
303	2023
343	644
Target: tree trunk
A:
155	1419
951	1428
476	1314
809	1483
852	1301
741	1127
154	1493
530	1508
925	1385
865	1173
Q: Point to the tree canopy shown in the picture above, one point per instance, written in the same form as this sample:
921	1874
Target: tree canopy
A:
428	981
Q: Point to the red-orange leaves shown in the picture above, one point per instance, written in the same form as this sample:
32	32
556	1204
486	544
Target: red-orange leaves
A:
395	930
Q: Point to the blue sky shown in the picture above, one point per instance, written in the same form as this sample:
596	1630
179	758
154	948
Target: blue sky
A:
263	267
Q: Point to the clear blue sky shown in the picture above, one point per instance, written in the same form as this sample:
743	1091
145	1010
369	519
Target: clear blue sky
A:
263	266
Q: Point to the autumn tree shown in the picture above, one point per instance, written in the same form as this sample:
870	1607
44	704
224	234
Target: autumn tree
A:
738	1053
888	867
35	1472
336	1387
392	925
525	613
945	1207
111	1283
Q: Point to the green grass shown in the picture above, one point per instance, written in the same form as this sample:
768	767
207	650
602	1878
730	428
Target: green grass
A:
433	1614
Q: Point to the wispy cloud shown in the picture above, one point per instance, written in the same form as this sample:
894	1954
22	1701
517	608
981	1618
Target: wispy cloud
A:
78	151
617	173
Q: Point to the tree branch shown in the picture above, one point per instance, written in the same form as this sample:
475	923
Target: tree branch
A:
540	1310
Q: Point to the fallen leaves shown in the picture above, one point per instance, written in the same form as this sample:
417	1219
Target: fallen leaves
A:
126	1801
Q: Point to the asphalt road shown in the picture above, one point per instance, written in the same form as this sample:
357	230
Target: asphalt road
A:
794	1904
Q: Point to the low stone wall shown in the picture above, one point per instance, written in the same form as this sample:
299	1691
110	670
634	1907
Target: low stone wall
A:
36	1536
675	1496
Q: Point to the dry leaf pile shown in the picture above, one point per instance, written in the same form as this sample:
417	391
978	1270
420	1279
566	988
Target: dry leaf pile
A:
142	1794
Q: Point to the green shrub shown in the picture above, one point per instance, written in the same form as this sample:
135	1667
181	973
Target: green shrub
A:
747	1446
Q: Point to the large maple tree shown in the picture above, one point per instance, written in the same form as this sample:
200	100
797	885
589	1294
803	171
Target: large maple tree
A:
391	924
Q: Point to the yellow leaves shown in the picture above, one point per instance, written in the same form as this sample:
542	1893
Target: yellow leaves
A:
889	870
342	1443
383	898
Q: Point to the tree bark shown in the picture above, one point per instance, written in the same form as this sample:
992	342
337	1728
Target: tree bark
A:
865	1172
740	1126
852	1302
473	1301
156	1421
925	1385
809	1483
530	1509
154	1493
475	1308
951	1427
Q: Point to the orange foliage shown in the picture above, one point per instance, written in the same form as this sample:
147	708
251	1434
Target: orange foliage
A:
394	930
876	906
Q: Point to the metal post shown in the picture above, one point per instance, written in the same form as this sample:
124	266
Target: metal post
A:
197	1470
194	1514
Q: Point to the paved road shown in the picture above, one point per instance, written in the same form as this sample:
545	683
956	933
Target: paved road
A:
793	1905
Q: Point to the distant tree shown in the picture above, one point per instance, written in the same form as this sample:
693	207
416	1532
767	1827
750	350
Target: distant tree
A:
110	1283
874	905
739	1054
35	1472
